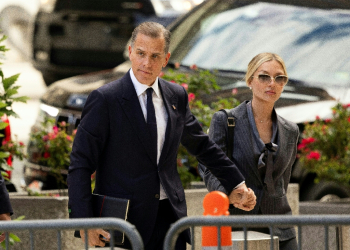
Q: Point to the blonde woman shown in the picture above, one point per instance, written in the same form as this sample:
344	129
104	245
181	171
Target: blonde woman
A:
264	144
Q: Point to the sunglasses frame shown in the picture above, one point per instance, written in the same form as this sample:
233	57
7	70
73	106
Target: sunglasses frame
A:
271	79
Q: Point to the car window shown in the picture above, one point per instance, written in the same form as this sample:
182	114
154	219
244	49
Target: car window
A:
312	42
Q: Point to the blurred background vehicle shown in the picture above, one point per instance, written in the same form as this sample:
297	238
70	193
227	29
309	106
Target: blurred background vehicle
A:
16	21
73	37
311	36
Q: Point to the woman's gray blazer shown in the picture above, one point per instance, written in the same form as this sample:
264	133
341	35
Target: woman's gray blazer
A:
269	203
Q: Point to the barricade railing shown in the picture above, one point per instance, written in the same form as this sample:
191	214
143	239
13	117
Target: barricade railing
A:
244	222
65	224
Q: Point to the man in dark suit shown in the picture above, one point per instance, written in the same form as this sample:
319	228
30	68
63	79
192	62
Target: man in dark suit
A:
5	205
129	134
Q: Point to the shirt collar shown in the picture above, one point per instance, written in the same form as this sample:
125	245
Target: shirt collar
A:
141	88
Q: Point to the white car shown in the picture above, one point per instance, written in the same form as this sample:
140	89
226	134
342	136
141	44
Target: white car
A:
16	21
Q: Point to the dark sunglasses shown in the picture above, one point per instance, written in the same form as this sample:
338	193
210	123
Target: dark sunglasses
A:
266	79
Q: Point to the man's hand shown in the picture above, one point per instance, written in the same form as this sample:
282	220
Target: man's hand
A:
4	217
243	198
94	237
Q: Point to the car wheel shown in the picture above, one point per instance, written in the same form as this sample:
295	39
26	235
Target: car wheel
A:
325	191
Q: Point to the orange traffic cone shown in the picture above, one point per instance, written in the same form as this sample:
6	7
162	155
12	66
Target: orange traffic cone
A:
216	203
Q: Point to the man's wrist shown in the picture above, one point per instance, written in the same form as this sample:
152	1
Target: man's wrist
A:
240	184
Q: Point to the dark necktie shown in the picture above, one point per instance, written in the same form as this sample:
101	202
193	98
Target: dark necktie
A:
152	122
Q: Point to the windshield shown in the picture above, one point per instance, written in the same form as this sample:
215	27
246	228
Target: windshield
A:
313	43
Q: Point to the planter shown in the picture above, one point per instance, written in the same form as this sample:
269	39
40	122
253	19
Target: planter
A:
43	207
313	236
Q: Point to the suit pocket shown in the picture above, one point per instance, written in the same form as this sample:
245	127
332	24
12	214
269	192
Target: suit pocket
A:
180	193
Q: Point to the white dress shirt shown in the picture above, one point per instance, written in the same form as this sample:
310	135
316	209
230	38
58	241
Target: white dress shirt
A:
161	114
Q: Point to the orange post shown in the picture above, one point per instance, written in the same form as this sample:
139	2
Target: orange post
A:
216	203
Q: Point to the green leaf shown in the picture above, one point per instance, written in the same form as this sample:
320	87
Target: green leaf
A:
2	105
23	99
15	237
11	92
8	82
20	218
4	154
3	125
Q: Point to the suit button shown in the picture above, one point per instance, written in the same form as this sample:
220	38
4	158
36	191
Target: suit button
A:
157	196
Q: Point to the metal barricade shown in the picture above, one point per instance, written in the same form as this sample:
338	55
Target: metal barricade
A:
65	224
244	222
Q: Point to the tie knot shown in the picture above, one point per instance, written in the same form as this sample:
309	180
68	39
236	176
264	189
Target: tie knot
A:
149	92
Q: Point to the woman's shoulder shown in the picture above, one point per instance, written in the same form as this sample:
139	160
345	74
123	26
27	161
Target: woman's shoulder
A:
288	124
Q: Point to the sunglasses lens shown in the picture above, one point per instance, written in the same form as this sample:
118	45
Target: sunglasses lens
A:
281	80
264	78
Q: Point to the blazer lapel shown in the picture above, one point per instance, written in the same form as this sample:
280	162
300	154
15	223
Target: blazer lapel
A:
170	101
242	131
283	135
132	108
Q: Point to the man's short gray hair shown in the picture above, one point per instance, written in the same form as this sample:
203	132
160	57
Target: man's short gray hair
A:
154	30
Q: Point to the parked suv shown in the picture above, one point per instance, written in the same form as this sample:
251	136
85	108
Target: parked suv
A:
73	37
311	36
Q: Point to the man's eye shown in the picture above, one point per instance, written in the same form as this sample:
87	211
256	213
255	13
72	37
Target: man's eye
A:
155	56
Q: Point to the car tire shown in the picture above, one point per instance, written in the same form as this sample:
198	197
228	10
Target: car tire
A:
325	191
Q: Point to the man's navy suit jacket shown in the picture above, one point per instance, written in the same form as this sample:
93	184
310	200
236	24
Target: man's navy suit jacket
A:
113	140
5	205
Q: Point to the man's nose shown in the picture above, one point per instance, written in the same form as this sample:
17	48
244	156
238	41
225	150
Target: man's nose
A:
147	61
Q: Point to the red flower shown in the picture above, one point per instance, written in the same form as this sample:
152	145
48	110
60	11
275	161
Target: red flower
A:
161	74
21	143
309	140
317	118
46	155
348	119
327	120
191	97
234	91
55	129
74	131
45	138
194	67
63	124
314	155
185	86
172	81
69	138
177	65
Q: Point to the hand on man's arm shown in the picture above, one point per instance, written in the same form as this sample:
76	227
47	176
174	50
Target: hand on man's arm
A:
4	217
243	198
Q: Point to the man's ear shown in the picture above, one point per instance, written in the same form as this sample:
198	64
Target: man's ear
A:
130	50
167	57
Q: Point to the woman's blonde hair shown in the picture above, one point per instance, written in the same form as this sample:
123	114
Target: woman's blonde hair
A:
259	59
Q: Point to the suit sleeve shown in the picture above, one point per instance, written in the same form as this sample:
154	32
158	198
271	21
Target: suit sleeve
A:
208	153
218	133
5	205
87	148
287	174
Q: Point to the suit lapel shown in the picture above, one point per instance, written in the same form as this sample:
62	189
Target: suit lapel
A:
283	135
244	138
132	109
170	101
